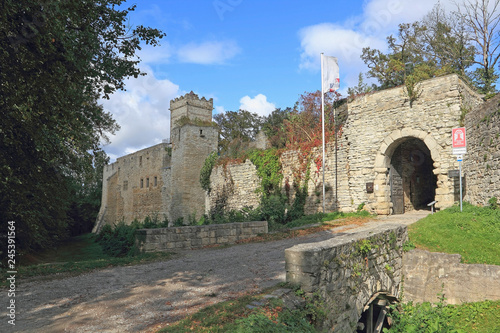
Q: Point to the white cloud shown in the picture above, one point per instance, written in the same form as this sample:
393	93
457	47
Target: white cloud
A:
216	52
219	109
142	112
258	104
155	54
380	18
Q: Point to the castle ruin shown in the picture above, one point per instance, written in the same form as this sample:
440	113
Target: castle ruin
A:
393	156
163	180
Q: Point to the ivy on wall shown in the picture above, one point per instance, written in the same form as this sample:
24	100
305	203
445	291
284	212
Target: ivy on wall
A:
206	171
268	166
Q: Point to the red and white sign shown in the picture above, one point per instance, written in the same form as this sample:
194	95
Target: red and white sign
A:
459	141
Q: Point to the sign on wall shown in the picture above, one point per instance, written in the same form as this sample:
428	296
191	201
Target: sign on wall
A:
459	141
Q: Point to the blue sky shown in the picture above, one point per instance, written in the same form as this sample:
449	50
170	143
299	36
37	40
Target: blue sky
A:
246	54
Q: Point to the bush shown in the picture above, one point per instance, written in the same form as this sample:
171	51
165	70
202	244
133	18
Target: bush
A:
119	241
273	208
493	203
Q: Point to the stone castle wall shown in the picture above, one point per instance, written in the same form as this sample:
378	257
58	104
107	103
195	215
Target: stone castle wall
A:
481	165
136	185
376	124
427	274
163	181
377	127
379	122
191	145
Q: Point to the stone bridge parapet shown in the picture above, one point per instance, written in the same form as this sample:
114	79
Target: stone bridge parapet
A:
348	270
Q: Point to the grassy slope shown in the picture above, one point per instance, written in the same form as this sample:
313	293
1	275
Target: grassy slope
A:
473	233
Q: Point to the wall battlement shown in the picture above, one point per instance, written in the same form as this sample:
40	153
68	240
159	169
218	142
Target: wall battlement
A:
192	107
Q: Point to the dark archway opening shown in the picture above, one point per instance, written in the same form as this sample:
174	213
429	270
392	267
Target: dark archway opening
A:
413	183
374	317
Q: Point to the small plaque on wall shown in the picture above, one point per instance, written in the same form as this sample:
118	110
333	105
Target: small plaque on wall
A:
369	187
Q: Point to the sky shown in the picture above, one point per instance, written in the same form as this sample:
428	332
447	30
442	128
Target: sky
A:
256	55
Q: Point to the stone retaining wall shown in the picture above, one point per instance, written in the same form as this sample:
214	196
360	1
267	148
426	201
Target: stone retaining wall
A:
164	239
427	274
348	270
481	165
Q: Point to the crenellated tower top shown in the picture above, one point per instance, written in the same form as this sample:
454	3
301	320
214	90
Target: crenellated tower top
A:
192	107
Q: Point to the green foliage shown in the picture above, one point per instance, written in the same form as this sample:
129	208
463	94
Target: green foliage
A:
268	169
408	246
437	318
360	207
236	127
437	45
273	208
59	58
274	127
493	204
206	170
424	318
288	321
361	89
363	247
473	233
119	240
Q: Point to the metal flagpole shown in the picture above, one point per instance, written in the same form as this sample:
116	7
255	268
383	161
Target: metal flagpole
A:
323	128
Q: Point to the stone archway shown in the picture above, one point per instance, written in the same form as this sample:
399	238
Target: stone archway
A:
413	155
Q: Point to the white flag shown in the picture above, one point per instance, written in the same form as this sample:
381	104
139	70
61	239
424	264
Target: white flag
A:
331	77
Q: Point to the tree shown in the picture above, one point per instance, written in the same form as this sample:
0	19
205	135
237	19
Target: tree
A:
236	127
481	21
446	41
57	60
274	127
304	125
361	89
439	44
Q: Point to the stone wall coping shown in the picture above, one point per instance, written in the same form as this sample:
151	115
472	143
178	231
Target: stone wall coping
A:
189	229
346	238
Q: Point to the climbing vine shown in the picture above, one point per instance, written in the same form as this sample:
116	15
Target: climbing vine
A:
206	171
268	169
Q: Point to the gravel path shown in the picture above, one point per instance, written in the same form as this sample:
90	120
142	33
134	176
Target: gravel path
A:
144	297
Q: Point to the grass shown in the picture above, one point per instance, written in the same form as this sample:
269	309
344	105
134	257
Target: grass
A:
473	233
481	317
76	256
318	218
234	316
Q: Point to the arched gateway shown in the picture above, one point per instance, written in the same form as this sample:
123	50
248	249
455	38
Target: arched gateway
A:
404	171
398	157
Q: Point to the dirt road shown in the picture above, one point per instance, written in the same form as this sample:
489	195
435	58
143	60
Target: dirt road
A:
140	298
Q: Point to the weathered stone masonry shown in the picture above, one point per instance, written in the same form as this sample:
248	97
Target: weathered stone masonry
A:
384	135
165	239
163	180
348	270
481	164
392	157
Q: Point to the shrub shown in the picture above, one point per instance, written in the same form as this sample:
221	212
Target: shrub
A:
273	208
493	203
118	241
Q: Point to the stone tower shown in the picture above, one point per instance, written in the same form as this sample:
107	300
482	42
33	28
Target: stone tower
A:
193	138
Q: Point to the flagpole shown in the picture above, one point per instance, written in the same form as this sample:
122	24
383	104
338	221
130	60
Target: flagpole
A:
323	128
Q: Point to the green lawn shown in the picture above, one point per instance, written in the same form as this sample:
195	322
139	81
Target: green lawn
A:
77	255
473	233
